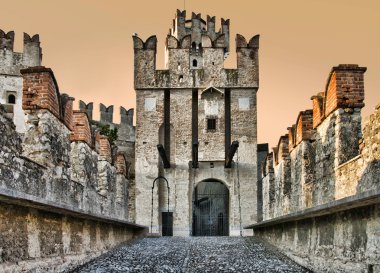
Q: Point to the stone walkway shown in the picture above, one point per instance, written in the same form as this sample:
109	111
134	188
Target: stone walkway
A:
194	254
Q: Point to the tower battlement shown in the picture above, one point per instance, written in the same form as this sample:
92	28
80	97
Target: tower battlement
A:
11	62
197	27
7	40
195	54
106	114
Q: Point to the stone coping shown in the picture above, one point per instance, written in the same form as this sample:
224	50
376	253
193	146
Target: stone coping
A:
348	162
347	203
27	200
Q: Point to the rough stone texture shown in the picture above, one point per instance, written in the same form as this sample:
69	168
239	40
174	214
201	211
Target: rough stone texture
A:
186	47
10	78
48	172
210	254
262	151
333	162
362	173
318	165
37	241
124	144
46	139
339	242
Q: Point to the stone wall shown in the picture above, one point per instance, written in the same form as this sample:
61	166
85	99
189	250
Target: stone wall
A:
63	192
340	241
39	240
321	183
125	141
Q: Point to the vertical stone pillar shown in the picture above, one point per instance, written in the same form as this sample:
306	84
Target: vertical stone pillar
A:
345	95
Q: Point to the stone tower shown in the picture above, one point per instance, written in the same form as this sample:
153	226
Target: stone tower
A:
191	117
10	77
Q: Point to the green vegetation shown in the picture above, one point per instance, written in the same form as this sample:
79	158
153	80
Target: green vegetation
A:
110	133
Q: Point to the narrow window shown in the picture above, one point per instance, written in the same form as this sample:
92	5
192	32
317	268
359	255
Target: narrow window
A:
211	124
195	63
193	45
11	99
180	79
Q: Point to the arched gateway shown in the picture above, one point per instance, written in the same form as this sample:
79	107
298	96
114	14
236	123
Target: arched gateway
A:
210	209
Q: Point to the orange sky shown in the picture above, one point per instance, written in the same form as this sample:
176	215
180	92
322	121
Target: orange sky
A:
88	45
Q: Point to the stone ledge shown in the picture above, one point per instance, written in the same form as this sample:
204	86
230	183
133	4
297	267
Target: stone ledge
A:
347	203
348	162
27	200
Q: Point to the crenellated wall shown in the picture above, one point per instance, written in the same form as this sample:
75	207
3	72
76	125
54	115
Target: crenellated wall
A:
63	174
125	141
194	57
321	184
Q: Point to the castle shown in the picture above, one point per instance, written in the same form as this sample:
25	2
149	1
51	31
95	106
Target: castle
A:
191	166
198	112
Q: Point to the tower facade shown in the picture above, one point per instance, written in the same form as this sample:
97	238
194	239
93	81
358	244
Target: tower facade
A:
10	77
196	126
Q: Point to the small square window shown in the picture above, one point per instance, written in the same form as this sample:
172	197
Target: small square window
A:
211	124
11	99
244	104
150	104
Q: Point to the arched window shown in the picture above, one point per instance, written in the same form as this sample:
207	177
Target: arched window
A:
180	79
195	63
11	99
193	45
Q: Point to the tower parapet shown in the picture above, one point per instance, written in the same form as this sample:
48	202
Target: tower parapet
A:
106	113
126	116
195	55
7	40
88	108
247	58
32	55
10	77
11	62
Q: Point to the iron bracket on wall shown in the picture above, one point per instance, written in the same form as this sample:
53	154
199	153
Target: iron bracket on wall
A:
194	163
162	152
233	149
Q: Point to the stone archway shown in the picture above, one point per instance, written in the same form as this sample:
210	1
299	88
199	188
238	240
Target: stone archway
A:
210	209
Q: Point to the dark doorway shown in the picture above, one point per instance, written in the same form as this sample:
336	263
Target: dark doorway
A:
167	223
210	209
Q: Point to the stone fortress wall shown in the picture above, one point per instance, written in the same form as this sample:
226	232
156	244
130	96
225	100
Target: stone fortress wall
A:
125	141
63	189
320	185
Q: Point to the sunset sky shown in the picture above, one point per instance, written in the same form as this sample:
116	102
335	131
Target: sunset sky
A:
88	44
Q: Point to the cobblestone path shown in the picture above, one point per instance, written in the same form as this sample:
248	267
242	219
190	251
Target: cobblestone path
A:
194	254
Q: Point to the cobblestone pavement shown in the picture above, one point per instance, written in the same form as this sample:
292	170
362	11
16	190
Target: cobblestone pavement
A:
194	254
